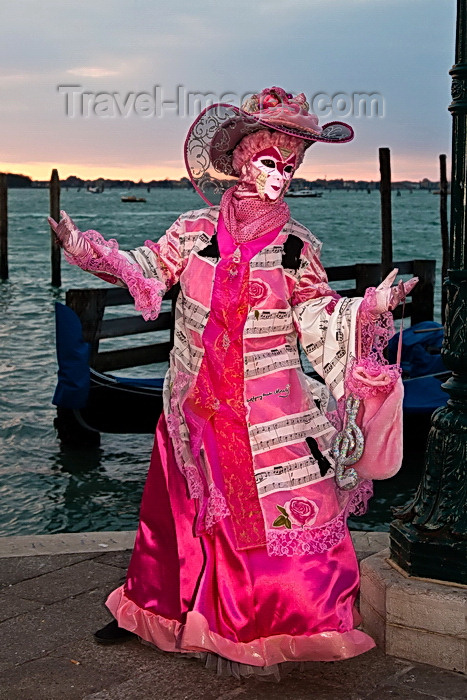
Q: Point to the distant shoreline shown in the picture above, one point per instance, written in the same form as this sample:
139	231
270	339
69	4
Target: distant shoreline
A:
15	181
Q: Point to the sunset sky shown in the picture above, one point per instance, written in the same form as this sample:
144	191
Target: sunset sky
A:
400	50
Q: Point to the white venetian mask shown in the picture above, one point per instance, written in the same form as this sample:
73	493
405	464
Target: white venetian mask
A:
273	169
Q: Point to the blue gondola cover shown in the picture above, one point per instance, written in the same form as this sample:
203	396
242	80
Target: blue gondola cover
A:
420	360
72	389
420	350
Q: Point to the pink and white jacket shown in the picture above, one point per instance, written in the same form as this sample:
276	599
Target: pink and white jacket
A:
235	365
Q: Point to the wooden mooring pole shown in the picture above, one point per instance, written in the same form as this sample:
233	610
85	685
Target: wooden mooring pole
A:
443	215
3	227
386	212
55	254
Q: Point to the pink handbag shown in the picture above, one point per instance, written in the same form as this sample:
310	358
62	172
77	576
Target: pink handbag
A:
380	418
370	446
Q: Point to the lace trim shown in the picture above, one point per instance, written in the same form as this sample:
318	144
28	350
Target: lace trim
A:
189	471
104	257
374	332
358	504
214	505
193	479
174	423
216	509
370	373
317	540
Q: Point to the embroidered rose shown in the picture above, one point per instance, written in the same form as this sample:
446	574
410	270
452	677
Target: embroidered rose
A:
302	511
257	291
297	511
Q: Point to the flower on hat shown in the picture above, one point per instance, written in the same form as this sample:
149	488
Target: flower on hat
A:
272	97
266	99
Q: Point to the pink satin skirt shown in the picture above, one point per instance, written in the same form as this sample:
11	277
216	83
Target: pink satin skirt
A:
199	594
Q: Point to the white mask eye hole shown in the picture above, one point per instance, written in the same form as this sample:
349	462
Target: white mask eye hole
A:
268	162
288	169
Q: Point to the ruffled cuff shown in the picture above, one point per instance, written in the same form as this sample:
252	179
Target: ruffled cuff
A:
370	374
374	331
105	260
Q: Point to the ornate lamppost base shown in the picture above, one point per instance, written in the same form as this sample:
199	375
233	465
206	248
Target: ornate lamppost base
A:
428	539
428	555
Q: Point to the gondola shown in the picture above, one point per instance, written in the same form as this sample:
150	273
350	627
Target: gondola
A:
90	402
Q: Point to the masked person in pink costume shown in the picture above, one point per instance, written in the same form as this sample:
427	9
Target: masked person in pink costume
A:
243	555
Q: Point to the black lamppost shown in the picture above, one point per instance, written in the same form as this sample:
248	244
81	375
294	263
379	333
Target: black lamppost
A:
429	538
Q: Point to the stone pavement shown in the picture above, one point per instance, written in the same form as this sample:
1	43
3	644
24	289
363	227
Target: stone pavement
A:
52	590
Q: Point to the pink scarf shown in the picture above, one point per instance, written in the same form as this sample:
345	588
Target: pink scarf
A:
248	218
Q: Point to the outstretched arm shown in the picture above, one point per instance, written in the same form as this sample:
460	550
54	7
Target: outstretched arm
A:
148	272
329	326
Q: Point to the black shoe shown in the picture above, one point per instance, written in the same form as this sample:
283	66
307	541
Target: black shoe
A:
112	634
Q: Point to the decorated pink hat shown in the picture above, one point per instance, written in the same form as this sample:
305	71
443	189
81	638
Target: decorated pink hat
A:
216	132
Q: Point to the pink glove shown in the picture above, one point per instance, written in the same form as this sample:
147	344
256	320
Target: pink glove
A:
386	297
91	252
70	237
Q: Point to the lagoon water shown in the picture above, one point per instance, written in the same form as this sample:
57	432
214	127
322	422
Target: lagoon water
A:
46	489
